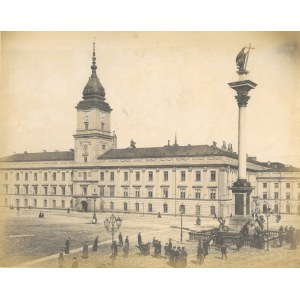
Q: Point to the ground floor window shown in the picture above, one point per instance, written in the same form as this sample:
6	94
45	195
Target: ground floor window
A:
34	202
6	202
137	193
101	191
197	194
125	206
53	203
25	202
197	210
288	209
150	193
265	196
182	209
182	193
165	193
17	202
149	207
45	203
265	208
112	206
276	210
212	194
71	203
63	203
137	207
212	210
165	208
125	192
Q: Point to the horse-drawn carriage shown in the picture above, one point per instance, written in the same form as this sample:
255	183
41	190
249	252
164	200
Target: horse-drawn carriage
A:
144	248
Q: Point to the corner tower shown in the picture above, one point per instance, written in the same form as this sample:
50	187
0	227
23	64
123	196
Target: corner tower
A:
93	135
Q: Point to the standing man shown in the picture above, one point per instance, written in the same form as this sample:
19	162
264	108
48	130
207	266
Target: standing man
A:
60	261
67	245
114	251
120	239
95	245
139	239
127	241
224	250
85	250
184	257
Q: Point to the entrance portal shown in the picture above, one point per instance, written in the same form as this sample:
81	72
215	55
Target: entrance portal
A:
84	206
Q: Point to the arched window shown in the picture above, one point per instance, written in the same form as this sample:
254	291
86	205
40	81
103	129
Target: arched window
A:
288	209
276	210
265	208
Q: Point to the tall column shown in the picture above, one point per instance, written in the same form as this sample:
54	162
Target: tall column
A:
242	142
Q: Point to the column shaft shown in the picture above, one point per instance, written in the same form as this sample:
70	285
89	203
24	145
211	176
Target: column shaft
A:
242	142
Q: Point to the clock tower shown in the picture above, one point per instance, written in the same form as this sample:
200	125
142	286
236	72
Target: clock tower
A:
93	135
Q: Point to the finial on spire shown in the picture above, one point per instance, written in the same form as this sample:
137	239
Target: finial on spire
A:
94	67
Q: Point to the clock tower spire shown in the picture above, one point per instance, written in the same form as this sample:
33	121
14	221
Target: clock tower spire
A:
93	135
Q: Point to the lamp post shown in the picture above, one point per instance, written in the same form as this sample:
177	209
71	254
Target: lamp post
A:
94	216
267	213
181	213
112	225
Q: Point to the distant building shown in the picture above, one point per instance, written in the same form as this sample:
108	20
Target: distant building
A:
138	180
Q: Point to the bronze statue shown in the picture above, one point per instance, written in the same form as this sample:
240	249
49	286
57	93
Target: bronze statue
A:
241	60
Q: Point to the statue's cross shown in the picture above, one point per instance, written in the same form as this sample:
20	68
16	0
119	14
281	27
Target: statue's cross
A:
249	48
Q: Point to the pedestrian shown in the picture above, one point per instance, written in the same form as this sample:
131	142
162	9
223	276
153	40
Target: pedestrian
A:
68	210
153	241
184	257
114	251
159	215
126	250
205	248
95	245
158	248
127	240
293	240
120	239
200	254
139	239
280	236
172	256
177	257
60	261
85	250
67	245
224	250
74	262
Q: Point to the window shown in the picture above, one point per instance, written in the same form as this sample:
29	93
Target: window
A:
35	189
125	176
63	203
125	192
137	192
111	191
197	210
102	126
212	175
6	201
26	190
137	176
182	193
6	189
288	185
45	176
166	175
112	176
149	207
182	175
112	206
102	176
35	175
101	190
45	203
288	196
288	209
125	206
26	176
150	176
276	185
265	196
213	194
298	185
54	190
17	190
182	209
198	176
34	202
63	176
6	176
17	202
103	147
265	185
150	193
84	175
212	210
276	208
25	202
165	207
85	159
53	176
84	190
17	176
71	189
137	207
165	193
276	195
86	126
63	190
197	194
53	203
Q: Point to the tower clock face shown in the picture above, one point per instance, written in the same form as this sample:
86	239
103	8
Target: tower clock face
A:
86	116
102	116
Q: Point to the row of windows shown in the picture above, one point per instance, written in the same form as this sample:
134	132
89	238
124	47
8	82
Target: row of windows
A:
276	196
150	176
45	190
36	176
276	208
46	203
164	208
276	185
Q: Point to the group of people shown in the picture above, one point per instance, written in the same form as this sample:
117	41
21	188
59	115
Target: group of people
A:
292	236
124	244
41	214
202	251
177	255
61	260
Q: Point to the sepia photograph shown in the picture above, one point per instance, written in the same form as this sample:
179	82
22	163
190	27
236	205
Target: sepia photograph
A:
152	149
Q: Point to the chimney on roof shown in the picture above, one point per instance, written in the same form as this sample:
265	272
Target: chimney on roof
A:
71	150
214	144
25	152
229	149
168	142
224	147
132	144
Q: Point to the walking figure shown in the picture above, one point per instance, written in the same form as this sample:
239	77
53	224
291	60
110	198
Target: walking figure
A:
60	261
85	250
120	239
139	239
127	240
67	246
200	254
224	251
114	251
95	245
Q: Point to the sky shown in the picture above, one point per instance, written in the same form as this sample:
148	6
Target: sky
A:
157	83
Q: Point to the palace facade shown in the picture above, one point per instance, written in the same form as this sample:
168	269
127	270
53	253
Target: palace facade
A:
97	175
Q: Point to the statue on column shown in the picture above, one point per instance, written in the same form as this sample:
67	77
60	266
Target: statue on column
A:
241	60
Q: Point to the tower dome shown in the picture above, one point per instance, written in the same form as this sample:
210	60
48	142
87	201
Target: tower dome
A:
93	88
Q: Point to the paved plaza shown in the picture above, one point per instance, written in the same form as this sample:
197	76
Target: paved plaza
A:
29	241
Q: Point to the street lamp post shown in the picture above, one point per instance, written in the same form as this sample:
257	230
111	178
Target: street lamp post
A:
267	213
181	213
94	216
112	225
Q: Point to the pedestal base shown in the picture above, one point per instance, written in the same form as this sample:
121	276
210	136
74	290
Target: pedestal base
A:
236	223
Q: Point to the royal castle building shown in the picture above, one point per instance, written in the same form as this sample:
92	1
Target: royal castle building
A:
195	178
